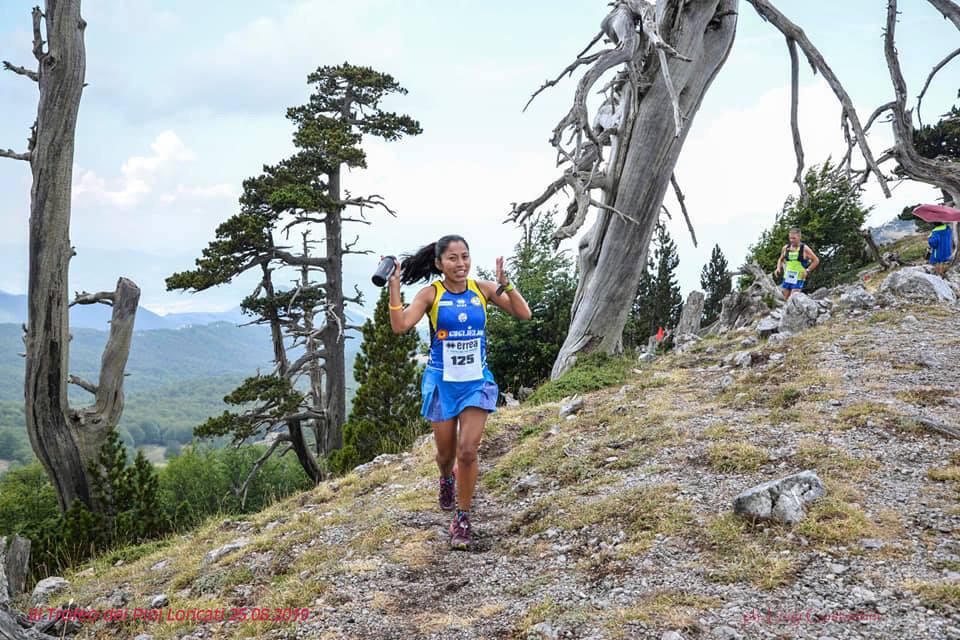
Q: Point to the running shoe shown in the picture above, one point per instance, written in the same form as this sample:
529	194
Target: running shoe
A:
448	497
460	532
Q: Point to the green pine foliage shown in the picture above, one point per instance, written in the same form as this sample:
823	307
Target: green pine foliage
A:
521	354
715	284
657	301
299	194
941	139
386	408
830	219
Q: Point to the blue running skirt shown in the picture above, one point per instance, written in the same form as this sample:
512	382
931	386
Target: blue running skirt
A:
445	400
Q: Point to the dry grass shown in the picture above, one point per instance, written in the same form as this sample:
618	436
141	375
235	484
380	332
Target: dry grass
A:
944	474
671	609
937	594
837	518
831	460
856	416
735	457
741	552
926	396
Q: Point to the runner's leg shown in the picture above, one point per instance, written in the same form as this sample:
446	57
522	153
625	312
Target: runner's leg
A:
472	422
445	436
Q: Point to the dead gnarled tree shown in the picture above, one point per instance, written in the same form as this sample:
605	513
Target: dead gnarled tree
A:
663	57
65	439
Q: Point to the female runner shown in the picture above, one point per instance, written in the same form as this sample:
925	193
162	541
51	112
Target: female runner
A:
457	387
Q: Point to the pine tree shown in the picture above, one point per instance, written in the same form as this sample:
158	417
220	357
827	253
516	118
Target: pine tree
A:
385	416
829	219
715	283
521	354
637	330
305	193
657	301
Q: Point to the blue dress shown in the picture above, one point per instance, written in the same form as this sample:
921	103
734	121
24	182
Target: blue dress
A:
456	376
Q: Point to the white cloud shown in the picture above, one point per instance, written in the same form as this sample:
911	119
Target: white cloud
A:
215	191
138	174
141	176
737	168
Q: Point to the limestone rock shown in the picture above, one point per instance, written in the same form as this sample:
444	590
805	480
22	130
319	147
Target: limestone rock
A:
573	407
47	588
740	309
14	563
778	338
543	631
783	500
916	285
690	316
768	326
799	313
857	297
219	552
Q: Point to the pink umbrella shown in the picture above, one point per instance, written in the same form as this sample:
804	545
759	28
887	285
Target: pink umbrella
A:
937	213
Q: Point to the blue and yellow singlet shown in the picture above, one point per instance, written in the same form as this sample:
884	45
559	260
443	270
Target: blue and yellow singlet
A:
456	375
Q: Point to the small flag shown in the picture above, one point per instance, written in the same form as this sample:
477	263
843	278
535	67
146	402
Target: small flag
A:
660	334
866	277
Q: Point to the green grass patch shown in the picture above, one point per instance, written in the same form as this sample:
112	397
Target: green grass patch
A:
592	372
855	416
936	595
816	455
786	397
669	609
729	457
836	518
742	553
640	512
925	396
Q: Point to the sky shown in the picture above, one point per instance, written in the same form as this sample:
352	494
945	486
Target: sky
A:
185	100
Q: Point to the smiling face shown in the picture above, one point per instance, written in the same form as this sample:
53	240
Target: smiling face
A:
454	262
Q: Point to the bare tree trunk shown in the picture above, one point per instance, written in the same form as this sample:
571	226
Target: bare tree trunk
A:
294	429
334	332
612	249
874	249
65	440
315	369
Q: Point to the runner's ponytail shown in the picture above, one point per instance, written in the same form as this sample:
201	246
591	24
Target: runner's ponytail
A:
422	264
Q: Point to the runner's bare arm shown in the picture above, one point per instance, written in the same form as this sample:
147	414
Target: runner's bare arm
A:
810	255
783	254
512	302
403	319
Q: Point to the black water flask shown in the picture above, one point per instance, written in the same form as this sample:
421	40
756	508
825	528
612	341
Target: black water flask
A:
384	270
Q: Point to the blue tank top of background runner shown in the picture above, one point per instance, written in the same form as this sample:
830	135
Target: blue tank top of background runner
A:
458	339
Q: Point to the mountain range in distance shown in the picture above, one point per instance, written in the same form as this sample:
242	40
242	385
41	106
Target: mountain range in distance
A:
13	309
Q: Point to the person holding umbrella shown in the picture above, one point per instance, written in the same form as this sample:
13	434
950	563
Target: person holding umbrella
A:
941	238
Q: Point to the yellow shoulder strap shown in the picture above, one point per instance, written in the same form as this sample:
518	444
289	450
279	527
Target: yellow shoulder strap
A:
473	286
435	307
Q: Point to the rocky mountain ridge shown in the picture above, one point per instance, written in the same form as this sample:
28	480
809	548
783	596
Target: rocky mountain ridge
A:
616	520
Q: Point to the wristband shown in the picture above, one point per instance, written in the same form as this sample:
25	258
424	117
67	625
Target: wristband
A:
397	308
505	288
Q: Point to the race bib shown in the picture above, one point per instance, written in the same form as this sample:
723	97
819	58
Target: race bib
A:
791	277
461	360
